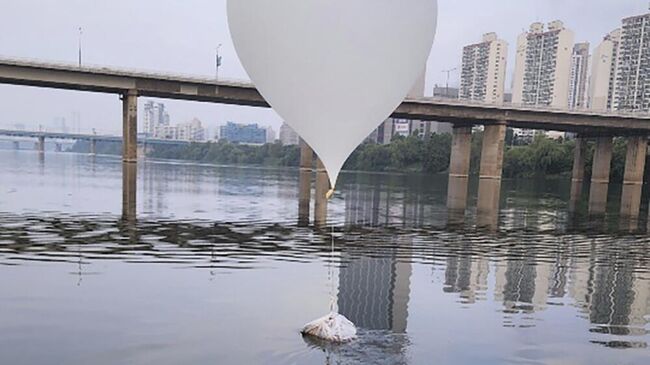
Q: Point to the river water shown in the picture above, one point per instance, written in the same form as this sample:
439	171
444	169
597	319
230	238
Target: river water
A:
215	269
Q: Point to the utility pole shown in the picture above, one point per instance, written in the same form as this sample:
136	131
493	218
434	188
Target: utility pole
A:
80	34
448	72
218	62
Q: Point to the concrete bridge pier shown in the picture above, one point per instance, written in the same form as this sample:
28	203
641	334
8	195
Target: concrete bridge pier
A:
16	145
489	189
304	182
40	145
459	170
130	126
322	187
93	147
578	177
129	191
600	176
637	148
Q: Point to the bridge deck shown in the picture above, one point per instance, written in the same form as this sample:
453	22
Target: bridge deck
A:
109	80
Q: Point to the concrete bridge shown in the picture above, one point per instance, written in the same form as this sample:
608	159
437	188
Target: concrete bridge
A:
602	126
40	136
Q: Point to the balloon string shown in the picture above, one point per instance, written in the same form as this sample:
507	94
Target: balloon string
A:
330	274
332	308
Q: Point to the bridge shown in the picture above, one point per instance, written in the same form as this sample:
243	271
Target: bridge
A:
601	126
40	136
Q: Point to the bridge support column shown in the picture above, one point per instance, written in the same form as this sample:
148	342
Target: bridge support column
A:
600	176
322	187
304	182
129	191
58	147
577	180
130	126
489	189
633	182
459	170
93	147
16	145
40	145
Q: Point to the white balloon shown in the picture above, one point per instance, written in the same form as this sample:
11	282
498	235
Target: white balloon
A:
333	69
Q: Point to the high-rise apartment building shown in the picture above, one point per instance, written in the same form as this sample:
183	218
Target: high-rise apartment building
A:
632	90
542	69
483	70
578	76
543	65
603	72
155	116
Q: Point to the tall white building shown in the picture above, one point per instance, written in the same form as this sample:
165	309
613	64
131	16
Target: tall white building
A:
543	66
603	72
288	136
155	117
542	69
483	70
632	90
578	76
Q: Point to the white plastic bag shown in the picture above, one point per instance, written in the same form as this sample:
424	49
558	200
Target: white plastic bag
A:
333	327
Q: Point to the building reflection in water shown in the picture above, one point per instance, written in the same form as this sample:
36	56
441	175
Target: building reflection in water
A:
532	271
467	276
374	292
606	289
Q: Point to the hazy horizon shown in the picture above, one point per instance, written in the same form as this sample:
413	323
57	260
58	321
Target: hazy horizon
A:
181	37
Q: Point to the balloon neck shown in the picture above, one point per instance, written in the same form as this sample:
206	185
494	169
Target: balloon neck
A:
329	194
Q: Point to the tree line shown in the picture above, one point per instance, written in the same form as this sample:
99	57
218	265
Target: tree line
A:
542	157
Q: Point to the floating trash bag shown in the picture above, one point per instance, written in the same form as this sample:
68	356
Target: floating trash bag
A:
333	327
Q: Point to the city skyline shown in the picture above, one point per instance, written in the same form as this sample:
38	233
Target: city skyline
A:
162	45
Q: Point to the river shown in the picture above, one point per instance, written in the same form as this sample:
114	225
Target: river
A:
216	269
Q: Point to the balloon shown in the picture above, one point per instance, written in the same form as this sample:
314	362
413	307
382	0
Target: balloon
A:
333	69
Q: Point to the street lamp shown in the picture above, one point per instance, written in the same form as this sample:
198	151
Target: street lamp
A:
218	61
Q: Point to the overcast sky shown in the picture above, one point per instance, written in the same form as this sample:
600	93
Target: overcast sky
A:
181	37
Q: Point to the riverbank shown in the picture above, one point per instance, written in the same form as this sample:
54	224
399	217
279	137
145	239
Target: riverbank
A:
542	157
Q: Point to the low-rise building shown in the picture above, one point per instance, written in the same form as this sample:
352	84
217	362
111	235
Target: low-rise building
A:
243	133
191	131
